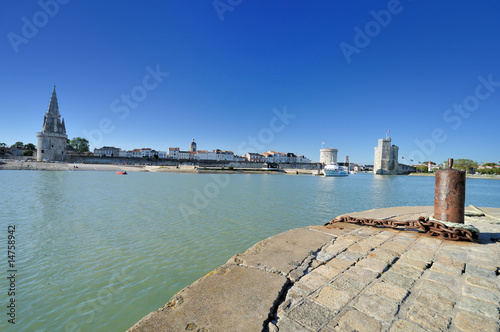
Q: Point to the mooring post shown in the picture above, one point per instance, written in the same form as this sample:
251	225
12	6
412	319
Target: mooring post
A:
449	195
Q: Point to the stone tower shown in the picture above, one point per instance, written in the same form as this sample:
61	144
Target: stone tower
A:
192	146
52	139
386	157
328	156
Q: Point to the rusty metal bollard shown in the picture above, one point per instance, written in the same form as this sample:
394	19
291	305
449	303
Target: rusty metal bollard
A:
449	195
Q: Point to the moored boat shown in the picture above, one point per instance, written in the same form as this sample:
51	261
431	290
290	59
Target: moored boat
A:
121	173
333	169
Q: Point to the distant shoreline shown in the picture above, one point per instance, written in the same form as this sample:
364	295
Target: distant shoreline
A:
44	166
469	176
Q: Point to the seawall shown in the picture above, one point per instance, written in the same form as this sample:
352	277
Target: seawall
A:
348	277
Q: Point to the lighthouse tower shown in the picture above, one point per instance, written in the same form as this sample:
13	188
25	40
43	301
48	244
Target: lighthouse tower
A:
52	139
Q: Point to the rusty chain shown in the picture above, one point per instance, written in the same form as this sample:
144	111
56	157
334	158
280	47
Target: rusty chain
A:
429	227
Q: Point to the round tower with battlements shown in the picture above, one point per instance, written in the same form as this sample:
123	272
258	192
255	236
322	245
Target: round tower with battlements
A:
328	156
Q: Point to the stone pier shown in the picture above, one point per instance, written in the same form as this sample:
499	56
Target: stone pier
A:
346	277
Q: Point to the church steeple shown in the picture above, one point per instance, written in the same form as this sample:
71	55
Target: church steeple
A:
53	106
52	121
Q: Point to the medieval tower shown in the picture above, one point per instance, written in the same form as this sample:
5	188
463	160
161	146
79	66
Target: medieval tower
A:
52	139
386	157
328	156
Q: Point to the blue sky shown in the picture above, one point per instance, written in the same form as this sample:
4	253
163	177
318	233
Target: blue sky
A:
258	75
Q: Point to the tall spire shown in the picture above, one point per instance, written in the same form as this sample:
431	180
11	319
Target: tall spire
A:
53	106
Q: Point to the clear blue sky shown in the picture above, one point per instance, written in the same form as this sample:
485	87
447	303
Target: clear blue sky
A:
229	67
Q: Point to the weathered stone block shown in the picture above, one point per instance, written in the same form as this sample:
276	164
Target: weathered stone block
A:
441	268
406	270
426	285
347	283
376	306
398	280
340	264
354	320
469	322
443	279
429	318
481	294
479	271
286	324
405	326
434	301
418	264
309	314
333	298
384	255
390	291
362	274
374	265
327	271
313	280
350	255
476	306
482	282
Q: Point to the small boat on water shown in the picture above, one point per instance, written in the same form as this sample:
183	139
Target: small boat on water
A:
333	169
121	173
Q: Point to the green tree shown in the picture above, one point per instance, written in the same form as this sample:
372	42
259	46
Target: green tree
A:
489	164
422	169
80	144
28	153
17	145
3	145
30	146
465	165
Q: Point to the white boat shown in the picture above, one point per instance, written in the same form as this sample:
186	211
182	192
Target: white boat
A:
335	170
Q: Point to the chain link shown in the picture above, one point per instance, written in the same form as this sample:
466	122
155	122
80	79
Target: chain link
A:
429	227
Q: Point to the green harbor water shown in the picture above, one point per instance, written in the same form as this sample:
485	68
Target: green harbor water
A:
96	251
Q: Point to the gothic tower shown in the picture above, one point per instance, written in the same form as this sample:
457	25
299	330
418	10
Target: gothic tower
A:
52	139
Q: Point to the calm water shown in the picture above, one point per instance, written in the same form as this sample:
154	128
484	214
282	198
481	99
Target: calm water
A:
97	251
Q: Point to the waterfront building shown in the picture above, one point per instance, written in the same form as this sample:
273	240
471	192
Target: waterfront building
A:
52	139
107	151
224	155
146	153
254	157
303	159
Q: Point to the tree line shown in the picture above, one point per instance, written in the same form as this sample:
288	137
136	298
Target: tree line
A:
469	166
79	144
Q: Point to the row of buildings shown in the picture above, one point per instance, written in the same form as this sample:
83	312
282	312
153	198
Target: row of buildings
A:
52	146
193	154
